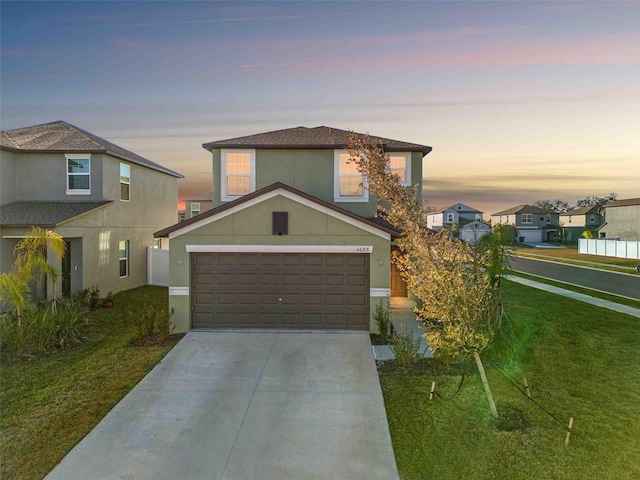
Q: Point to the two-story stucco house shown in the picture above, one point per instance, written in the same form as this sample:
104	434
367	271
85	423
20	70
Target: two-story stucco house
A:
533	224
622	220
197	204
293	240
105	201
459	214
575	222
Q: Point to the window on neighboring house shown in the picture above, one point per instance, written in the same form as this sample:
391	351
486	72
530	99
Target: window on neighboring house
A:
527	218
125	182
569	218
548	218
157	243
450	217
592	218
195	209
79	174
349	183
238	173
400	164
479	217
603	235
123	249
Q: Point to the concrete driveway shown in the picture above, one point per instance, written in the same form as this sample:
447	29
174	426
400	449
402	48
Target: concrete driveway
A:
244	405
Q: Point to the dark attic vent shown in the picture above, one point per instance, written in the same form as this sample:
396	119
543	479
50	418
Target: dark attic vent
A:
280	223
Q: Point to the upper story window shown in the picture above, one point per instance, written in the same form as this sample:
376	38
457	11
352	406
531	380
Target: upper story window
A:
238	173
451	217
548	218
125	182
79	174
478	217
348	182
195	209
400	164
527	218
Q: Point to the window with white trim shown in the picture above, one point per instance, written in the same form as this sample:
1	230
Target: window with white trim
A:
123	257
451	217
349	183
238	173
195	209
400	164
125	182
527	218
78	174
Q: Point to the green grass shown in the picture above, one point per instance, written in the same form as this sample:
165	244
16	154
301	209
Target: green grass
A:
587	291
580	361
50	403
571	256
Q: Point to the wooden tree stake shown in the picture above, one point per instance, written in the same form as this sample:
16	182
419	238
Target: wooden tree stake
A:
526	387
566	440
433	389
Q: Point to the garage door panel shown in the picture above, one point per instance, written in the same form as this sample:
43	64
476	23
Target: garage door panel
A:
271	290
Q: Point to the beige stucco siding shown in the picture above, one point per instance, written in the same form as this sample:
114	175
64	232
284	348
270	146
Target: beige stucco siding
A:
253	226
622	222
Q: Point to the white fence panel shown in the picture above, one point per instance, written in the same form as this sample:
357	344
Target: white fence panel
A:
157	267
610	248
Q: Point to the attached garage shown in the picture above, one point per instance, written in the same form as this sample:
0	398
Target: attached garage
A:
239	266
280	290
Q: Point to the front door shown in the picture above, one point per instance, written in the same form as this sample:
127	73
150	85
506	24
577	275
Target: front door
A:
398	285
66	269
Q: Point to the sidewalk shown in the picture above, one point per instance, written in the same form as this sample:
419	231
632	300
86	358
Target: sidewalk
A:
402	313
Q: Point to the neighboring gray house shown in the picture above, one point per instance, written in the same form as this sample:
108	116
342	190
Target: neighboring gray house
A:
197	204
575	222
472	232
105	202
533	224
459	214
622	220
293	240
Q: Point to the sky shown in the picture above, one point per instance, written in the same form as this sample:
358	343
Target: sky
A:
521	101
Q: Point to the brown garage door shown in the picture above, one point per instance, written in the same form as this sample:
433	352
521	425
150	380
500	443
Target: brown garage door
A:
280	290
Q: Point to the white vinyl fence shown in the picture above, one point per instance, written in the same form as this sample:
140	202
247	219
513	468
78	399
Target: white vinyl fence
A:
610	248
157	267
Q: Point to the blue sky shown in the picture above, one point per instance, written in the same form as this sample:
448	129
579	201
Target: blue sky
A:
520	100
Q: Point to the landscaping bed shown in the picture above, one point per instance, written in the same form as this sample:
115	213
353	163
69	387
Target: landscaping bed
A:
50	402
580	361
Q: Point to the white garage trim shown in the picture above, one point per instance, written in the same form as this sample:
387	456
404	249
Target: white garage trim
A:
279	248
179	291
379	292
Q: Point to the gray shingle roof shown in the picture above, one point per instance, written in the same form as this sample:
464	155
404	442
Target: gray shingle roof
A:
303	137
66	138
523	209
583	211
623	203
205	197
44	214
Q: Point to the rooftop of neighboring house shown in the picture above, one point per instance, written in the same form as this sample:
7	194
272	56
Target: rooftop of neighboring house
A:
44	214
522	209
464	209
205	197
623	203
315	137
62	137
583	211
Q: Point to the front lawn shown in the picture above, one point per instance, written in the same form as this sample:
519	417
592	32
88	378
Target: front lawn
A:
580	361
570	255
50	403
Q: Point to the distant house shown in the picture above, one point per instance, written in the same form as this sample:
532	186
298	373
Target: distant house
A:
105	202
474	231
198	204
622	220
533	224
575	222
459	214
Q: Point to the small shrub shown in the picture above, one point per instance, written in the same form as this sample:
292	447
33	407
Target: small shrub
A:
15	338
153	321
382	317
68	317
94	297
39	322
405	347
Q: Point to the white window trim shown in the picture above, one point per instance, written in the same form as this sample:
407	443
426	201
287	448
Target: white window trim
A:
407	156
530	218
336	182
126	183
453	217
77	156
223	173
191	209
127	258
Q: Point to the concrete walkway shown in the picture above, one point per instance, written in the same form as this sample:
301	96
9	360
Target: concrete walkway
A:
246	405
617	307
